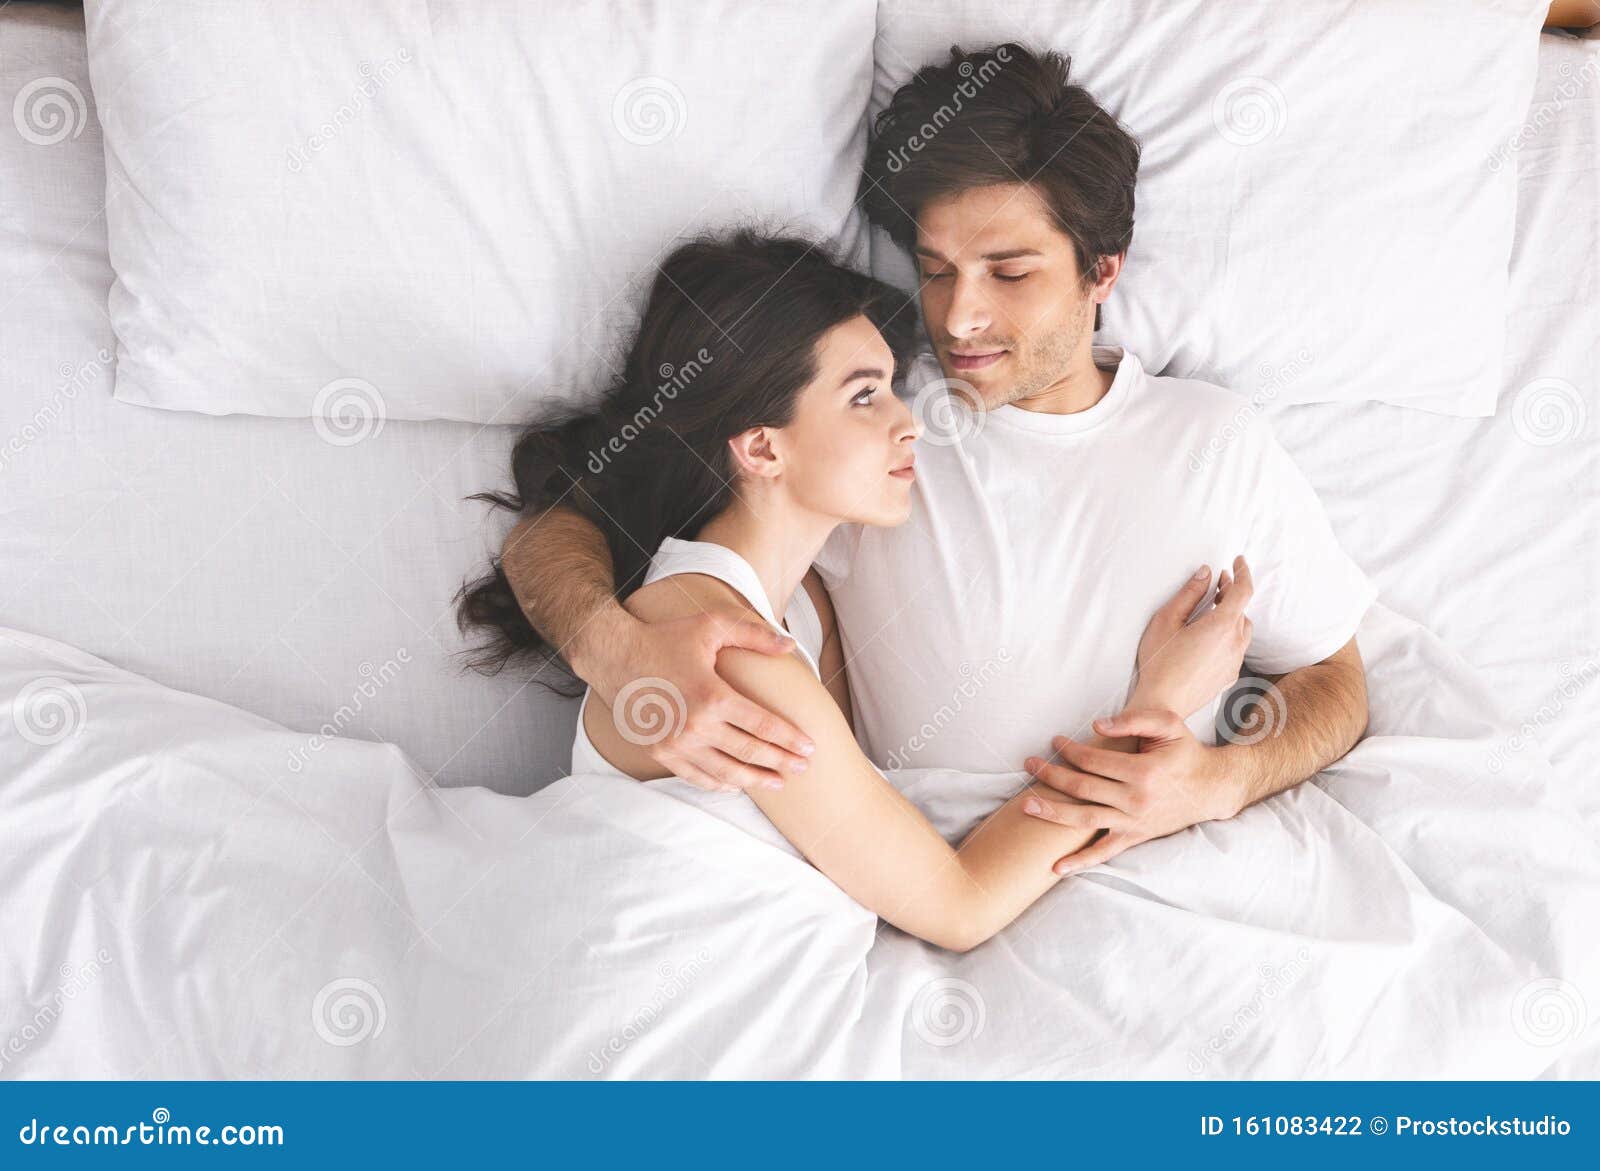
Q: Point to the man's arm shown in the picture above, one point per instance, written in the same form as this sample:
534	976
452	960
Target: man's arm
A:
560	570
1312	717
1573	14
1322	711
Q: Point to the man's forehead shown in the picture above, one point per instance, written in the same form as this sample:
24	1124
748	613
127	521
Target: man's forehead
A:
987	222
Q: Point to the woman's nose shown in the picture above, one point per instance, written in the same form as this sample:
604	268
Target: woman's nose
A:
909	426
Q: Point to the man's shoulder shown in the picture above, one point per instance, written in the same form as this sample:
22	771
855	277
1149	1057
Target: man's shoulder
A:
1192	396
1202	410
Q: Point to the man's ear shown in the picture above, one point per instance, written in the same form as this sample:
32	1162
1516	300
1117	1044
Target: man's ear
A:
1110	268
1107	270
753	453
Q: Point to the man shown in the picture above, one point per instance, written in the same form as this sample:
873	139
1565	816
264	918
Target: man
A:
1049	519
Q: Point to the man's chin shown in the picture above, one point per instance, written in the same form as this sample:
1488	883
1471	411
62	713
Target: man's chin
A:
988	384
985	393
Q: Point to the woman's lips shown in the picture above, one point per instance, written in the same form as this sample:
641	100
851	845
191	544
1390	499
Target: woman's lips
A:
908	472
975	361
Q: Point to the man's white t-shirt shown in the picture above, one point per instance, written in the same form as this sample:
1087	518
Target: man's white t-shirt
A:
1009	607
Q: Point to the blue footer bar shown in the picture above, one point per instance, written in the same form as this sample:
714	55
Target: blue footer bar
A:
1368	1124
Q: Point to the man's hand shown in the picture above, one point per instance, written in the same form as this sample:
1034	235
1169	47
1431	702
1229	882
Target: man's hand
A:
1171	783
712	737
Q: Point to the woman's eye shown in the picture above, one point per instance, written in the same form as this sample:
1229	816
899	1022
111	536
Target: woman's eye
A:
864	398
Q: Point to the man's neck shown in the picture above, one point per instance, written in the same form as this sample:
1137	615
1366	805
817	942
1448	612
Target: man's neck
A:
1079	389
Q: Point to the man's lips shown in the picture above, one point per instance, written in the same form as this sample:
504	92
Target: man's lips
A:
975	361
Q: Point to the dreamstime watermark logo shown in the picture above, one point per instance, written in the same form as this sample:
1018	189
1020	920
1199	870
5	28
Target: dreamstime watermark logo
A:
950	411
348	1011
1573	681
649	710
1548	411
74	380
1253	711
1571	84
1270	384
347	411
649	110
673	380
675	980
48	710
1249	110
373	79
373	680
1549	1012
1275	981
974	678
972	81
948	1011
74	980
155	1133
49	110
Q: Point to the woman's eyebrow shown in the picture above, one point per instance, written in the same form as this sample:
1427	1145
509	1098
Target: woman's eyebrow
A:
864	372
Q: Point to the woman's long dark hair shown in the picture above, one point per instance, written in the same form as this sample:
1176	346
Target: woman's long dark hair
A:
727	341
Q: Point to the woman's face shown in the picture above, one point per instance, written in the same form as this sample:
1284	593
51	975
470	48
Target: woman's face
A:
847	453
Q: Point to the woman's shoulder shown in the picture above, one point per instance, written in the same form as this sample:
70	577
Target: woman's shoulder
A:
683	595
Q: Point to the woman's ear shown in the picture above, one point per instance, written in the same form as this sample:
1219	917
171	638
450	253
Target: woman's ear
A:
754	454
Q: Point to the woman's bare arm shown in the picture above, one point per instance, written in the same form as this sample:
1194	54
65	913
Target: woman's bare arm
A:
860	831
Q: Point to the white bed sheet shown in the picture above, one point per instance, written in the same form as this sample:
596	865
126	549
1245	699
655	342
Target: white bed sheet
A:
247	560
185	904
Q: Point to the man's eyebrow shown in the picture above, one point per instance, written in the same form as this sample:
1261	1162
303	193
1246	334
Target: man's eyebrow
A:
1007	254
864	372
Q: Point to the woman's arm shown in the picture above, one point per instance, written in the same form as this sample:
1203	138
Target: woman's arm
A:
860	831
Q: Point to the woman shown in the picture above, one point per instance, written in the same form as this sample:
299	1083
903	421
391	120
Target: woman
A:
753	415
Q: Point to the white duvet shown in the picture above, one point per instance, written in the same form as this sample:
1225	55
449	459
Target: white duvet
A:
192	891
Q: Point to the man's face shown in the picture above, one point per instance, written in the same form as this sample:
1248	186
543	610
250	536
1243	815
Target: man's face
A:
1002	297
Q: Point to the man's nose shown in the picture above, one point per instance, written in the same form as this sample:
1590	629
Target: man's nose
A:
968	313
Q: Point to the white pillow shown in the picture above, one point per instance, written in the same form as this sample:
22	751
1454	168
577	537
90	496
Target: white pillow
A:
389	209
1323	211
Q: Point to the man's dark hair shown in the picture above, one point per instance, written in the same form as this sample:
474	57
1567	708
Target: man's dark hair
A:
1004	115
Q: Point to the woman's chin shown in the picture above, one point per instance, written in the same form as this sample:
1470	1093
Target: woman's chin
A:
892	513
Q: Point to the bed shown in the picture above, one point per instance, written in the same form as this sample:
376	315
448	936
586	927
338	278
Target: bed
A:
197	905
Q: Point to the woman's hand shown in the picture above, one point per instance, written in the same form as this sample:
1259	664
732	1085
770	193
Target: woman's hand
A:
1183	665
